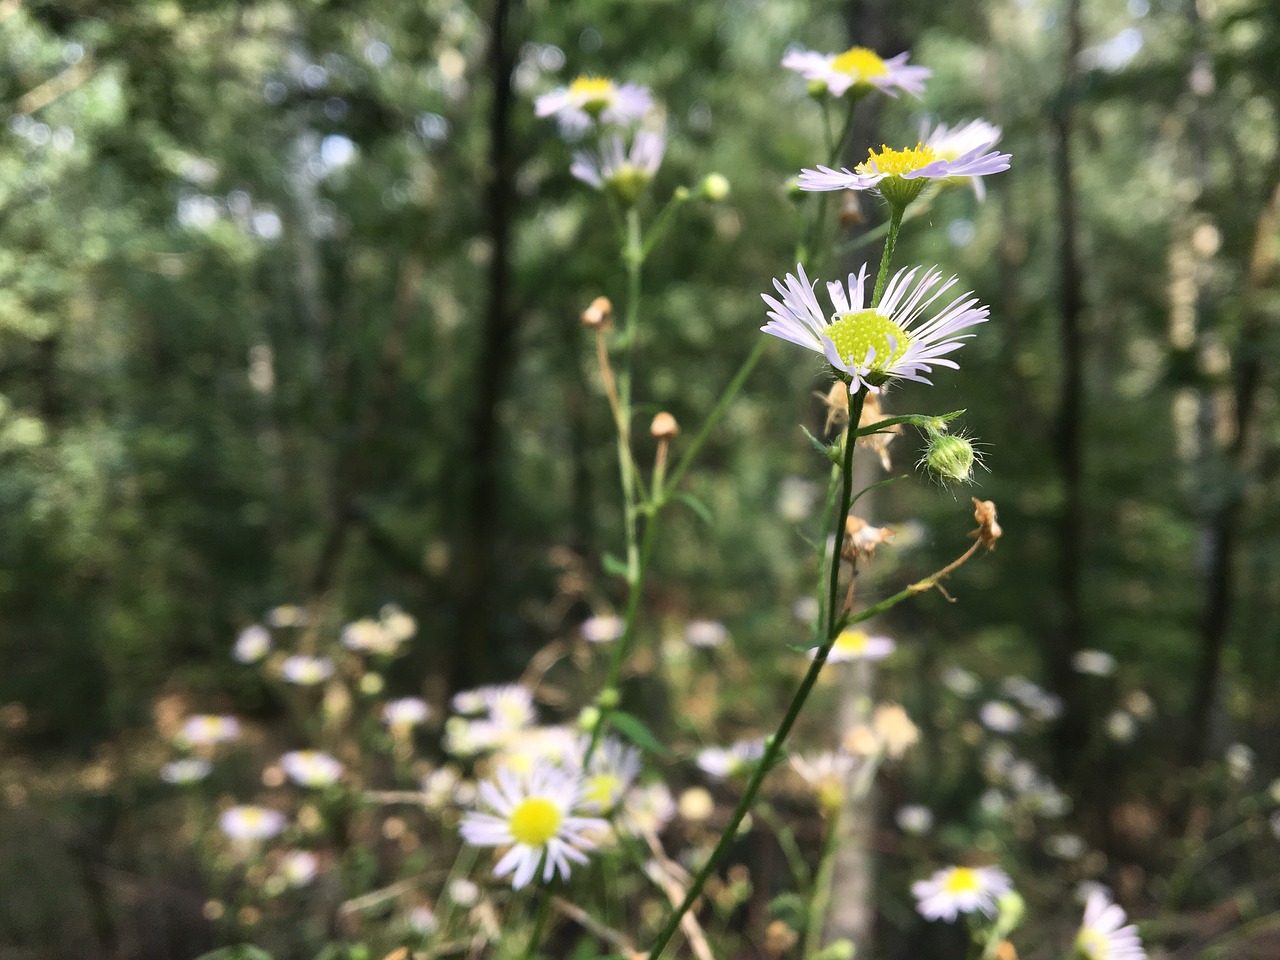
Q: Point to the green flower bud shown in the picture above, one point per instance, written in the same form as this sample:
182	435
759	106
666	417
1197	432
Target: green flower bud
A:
949	458
715	187
588	717
608	698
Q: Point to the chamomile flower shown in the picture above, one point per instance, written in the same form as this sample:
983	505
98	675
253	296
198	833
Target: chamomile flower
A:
725	762
510	706
311	768
957	890
588	100
249	823
874	345
206	730
1103	935
900	175
306	671
859	70
611	771
853	644
826	773
623	173
187	770
952	143
253	644
533	815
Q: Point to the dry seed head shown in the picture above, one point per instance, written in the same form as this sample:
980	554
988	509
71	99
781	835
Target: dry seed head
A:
598	316
664	427
988	532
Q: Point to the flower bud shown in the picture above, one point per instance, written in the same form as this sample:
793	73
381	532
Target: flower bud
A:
598	316
715	187
608	698
588	717
949	458
664	427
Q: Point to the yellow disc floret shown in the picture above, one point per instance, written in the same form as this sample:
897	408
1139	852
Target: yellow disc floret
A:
860	63
855	334
1092	944
534	821
897	162
852	641
962	880
602	789
592	94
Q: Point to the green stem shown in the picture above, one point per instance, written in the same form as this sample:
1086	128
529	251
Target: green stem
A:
633	257
717	412
539	921
895	221
773	747
821	894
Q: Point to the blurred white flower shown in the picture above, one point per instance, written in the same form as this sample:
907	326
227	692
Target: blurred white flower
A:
253	644
1121	727
706	633
737	760
915	819
248	823
613	768
1097	663
1065	846
588	100
853	644
203	730
860	70
960	682
999	717
1103	934
603	629
647	809
306	671
405	713
299	867
958	890
311	768
188	770
1239	762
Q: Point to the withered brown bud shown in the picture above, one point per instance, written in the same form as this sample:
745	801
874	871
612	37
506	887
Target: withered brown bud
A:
664	427
598	316
836	400
861	539
850	209
988	532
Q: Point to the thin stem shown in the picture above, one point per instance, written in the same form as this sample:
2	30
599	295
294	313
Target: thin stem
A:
633	257
717	412
895	221
539	922
820	896
773	747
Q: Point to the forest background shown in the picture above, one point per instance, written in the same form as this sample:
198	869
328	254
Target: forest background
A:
289	301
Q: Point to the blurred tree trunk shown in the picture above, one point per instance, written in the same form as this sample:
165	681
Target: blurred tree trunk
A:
476	568
1071	734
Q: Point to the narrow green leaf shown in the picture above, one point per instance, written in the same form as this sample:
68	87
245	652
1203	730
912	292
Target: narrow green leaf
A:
697	506
634	730
881	483
612	565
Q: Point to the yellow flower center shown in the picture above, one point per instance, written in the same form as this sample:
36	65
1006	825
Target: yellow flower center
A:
854	334
534	821
962	880
593	94
860	63
897	162
602	789
852	641
1092	944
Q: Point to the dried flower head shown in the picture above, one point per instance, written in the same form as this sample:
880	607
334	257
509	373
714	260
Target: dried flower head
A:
988	532
599	315
861	539
664	427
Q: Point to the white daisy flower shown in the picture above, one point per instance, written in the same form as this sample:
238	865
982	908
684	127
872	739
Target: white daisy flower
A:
624	173
1103	935
900	175
999	717
306	671
648	809
860	70
189	770
311	768
603	628
1097	663
826	773
405	713
206	730
853	644
253	644
705	633
396	623
591	99
734	761
299	867
872	346
952	143
248	823
510	706
613	767
957	890
914	818
369	636
534	816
